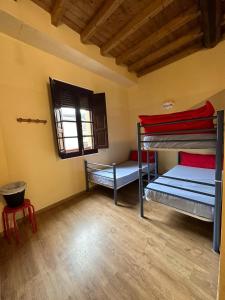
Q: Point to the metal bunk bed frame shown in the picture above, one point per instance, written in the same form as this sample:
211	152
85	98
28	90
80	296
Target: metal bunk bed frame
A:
219	129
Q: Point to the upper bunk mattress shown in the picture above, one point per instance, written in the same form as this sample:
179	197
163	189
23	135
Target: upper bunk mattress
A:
185	141
186	201
125	173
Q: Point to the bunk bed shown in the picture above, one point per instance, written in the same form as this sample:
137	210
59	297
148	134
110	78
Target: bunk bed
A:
116	176
190	190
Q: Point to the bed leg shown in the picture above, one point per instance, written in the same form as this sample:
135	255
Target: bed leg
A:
141	189
114	184
156	164
115	196
142	207
148	165
86	176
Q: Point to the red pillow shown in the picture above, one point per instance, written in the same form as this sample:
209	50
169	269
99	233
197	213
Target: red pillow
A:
207	161
134	156
205	111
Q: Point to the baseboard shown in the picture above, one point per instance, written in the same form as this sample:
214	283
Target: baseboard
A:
60	202
77	196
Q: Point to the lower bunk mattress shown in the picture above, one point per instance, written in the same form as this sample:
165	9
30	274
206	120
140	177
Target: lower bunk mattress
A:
188	202
125	173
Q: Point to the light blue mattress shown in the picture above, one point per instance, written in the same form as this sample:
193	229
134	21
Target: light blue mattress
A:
125	173
196	204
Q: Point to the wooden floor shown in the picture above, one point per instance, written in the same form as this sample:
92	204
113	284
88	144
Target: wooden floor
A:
91	249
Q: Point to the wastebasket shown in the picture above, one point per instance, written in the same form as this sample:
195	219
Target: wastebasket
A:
13	193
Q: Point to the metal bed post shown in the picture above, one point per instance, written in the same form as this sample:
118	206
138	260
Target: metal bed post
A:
218	182
86	175
148	165
156	163
141	198
114	184
178	157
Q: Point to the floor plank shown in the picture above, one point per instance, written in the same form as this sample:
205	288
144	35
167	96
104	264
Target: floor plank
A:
91	249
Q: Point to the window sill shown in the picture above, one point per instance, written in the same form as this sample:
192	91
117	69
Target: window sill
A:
75	155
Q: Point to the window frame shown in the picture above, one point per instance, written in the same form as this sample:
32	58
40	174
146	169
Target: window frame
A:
77	93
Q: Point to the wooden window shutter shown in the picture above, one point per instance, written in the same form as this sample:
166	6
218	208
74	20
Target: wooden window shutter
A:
63	94
100	121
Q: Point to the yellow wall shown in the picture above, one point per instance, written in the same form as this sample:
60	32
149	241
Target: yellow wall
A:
188	82
27	150
38	21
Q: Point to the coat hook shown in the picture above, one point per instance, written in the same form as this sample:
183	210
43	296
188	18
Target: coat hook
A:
29	120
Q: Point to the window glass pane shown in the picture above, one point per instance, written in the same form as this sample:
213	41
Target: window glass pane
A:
88	143
68	113
69	128
71	144
85	115
87	129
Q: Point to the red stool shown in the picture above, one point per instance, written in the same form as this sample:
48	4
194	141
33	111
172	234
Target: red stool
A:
26	206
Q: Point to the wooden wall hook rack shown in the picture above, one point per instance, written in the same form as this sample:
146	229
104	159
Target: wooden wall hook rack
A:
31	120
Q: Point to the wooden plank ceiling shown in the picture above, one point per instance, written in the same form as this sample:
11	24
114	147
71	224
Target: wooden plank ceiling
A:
144	35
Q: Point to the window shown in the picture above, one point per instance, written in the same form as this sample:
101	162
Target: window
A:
80	119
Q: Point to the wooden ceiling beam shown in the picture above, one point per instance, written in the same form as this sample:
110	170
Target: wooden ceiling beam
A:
179	55
211	21
154	8
167	49
160	34
57	11
99	18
